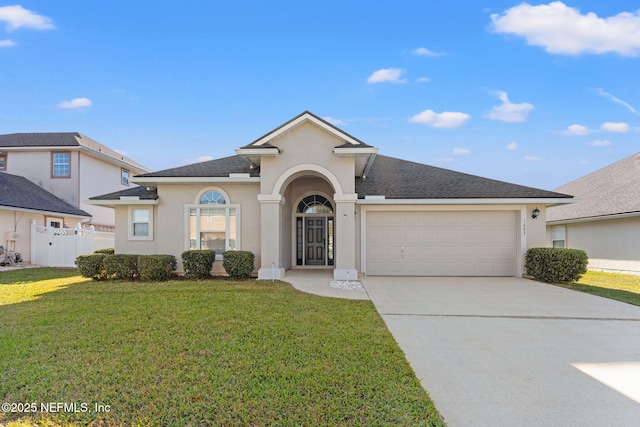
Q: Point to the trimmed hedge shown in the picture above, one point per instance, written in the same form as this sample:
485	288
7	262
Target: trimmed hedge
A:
556	265
121	266
238	264
198	263
109	251
92	266
156	267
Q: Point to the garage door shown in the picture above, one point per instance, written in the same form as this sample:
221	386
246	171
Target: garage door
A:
479	243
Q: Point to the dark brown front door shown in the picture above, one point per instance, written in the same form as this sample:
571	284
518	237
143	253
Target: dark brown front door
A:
316	240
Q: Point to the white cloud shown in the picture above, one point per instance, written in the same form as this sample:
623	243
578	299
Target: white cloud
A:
532	159
512	146
460	151
600	143
446	119
628	106
423	79
335	122
19	17
76	103
7	43
508	111
561	29
615	127
576	129
391	75
423	51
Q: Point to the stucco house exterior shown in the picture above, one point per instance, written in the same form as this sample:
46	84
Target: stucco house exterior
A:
309	195
606	220
71	166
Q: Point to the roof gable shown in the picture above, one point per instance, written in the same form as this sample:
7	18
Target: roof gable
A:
612	190
306	117
19	193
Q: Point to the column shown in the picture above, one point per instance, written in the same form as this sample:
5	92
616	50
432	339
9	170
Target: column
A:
345	237
270	237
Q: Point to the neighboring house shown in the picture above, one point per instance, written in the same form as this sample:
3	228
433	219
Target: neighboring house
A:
21	202
71	166
309	195
606	221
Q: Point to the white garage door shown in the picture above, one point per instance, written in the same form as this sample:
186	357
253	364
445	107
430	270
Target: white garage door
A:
478	243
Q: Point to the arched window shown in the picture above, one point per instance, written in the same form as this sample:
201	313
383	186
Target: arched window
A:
315	204
212	198
213	223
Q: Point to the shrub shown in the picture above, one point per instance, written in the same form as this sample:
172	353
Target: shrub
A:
555	265
92	266
121	266
109	251
238	264
198	263
156	267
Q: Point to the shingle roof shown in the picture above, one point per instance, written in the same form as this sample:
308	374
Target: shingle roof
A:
20	193
402	179
63	139
391	177
212	168
139	191
612	190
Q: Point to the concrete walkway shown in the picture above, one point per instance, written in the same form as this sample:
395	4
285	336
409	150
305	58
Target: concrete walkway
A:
514	352
316	281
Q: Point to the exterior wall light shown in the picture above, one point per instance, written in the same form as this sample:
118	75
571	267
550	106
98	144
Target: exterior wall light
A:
535	213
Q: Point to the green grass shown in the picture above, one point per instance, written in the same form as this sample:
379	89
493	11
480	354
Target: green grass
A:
208	353
621	287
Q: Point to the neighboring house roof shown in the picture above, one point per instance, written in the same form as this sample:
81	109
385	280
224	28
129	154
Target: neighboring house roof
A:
64	139
402	179
612	190
388	176
18	193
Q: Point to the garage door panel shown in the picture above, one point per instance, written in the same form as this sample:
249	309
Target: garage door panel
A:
442	243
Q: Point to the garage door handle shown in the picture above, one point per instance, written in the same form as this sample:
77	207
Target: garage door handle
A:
402	252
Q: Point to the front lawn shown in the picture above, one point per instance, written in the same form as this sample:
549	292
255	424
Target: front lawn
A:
206	353
621	287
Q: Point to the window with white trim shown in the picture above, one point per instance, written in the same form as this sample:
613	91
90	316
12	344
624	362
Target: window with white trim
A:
3	161
124	176
140	223
559	236
213	224
61	165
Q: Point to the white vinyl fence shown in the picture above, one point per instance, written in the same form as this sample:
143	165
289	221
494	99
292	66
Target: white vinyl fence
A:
59	247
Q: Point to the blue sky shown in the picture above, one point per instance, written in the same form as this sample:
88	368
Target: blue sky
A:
537	94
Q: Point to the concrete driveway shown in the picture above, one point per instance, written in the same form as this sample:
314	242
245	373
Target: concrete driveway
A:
514	352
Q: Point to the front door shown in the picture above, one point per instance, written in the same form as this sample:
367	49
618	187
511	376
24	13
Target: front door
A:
316	231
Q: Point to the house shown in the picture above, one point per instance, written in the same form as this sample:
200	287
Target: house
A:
21	202
309	195
606	221
70	166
